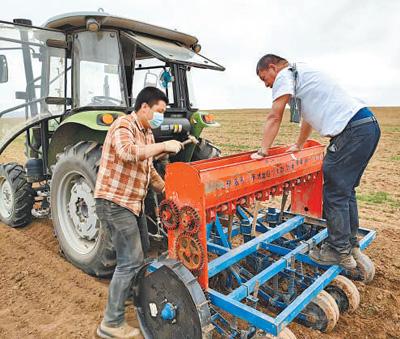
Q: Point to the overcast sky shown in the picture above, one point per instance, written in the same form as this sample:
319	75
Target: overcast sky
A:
356	41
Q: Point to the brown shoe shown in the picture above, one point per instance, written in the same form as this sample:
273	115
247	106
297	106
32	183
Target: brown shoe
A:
124	331
328	256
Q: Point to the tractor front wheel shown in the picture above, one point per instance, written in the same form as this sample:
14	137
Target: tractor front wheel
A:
83	240
16	196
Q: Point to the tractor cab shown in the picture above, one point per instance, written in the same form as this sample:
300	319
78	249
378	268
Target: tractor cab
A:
93	61
61	88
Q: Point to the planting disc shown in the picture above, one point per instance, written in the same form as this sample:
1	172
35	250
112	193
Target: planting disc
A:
365	270
322	313
286	333
345	294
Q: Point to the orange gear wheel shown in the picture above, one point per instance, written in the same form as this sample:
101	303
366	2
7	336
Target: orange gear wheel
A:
190	252
169	214
189	220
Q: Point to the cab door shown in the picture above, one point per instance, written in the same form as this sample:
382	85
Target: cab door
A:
32	78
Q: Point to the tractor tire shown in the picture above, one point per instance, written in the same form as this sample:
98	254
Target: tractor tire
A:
16	196
205	150
83	240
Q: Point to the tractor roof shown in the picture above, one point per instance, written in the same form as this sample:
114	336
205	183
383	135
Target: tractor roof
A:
77	20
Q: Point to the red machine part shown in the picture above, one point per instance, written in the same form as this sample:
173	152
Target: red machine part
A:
189	220
190	252
219	185
169	214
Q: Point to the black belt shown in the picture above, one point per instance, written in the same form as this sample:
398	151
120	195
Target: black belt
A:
361	122
356	123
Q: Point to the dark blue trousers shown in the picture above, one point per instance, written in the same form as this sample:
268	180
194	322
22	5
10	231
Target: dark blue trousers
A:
346	159
130	239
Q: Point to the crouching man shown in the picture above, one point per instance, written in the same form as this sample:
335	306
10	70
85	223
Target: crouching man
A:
354	134
126	171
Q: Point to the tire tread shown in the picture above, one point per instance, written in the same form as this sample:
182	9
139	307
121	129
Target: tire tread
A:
24	194
88	153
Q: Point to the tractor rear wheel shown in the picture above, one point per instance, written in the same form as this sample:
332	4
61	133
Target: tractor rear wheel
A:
83	241
16	196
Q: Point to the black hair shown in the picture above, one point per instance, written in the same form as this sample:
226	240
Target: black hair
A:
267	60
151	96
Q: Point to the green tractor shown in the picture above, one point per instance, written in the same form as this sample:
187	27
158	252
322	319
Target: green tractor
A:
61	87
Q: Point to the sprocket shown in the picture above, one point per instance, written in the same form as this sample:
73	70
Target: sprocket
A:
190	252
169	214
189	220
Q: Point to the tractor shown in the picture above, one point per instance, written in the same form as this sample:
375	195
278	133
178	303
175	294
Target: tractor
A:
62	85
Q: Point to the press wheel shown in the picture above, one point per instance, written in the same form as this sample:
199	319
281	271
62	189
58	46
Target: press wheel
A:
322	313
286	333
366	267
345	293
365	270
170	303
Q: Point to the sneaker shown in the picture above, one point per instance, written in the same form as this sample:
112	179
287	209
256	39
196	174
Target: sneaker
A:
328	256
124	331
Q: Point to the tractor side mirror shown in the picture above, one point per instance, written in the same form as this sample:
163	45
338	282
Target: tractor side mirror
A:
3	69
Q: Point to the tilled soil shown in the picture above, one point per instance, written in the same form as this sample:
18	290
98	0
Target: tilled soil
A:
44	296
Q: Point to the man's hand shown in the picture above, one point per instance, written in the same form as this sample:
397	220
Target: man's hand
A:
294	148
259	155
172	146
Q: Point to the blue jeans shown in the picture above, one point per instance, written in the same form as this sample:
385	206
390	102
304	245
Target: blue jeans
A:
126	230
347	157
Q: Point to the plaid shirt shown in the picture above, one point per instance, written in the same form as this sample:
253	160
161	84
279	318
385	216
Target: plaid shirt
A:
123	178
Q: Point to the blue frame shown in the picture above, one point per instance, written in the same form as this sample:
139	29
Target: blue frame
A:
232	302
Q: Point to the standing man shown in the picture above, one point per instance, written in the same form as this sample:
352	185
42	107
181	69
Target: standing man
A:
354	134
126	171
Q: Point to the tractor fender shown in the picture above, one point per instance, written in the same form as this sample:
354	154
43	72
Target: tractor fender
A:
83	126
198	122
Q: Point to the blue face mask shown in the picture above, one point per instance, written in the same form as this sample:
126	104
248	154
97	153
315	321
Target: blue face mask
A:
157	120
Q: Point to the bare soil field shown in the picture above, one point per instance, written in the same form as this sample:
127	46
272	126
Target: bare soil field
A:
44	296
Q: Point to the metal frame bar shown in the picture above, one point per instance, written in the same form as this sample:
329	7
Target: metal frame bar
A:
232	302
370	235
245	312
228	259
284	262
222	236
301	301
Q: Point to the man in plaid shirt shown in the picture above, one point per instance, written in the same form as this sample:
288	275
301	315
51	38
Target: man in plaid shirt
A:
126	171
